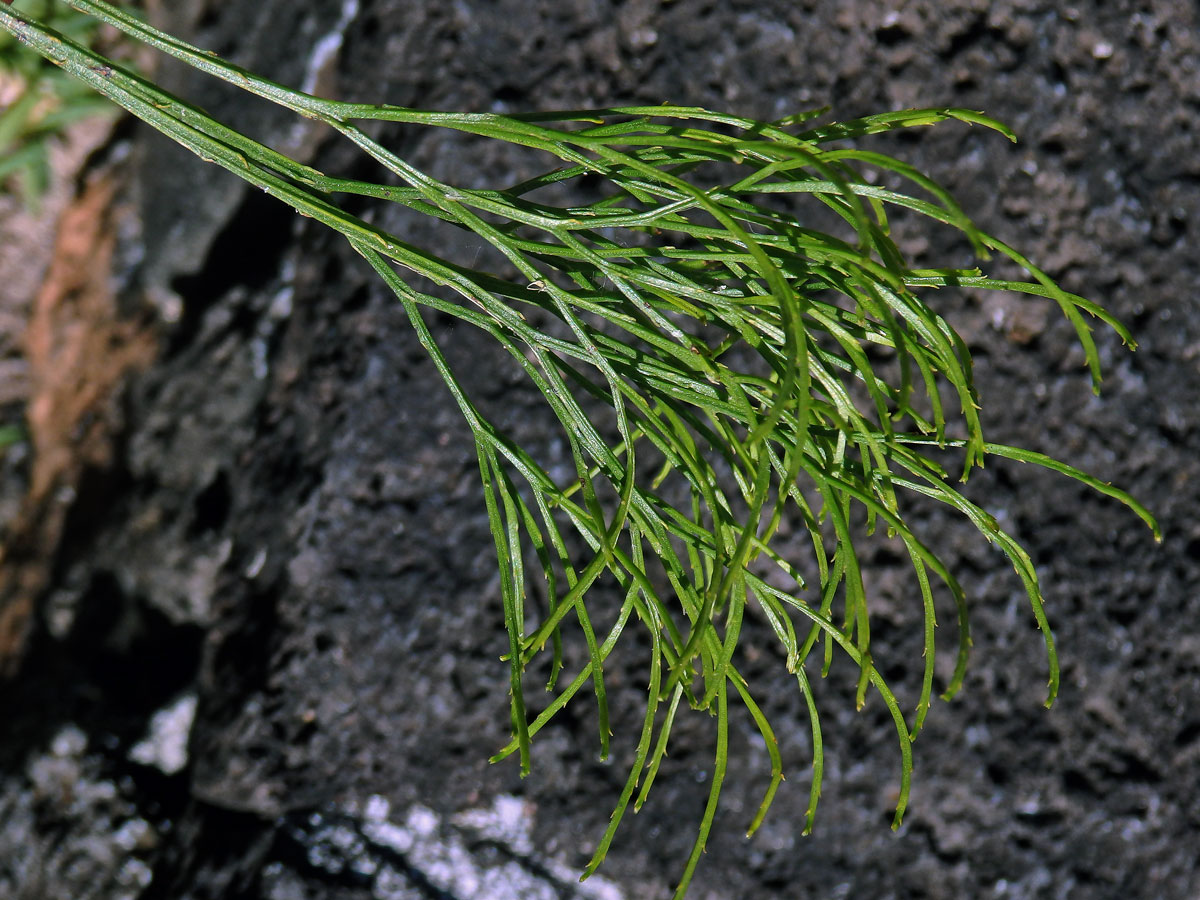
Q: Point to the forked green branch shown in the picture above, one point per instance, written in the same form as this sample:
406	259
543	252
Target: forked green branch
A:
729	343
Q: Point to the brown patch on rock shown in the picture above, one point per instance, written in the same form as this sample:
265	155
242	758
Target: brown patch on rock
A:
80	349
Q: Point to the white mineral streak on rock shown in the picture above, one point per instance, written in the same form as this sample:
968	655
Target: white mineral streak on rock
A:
440	851
165	744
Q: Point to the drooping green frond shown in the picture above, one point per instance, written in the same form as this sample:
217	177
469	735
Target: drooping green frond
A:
734	351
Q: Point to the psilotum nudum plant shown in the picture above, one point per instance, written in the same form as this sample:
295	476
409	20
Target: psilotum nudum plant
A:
752	370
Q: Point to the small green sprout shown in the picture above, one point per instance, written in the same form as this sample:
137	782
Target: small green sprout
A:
39	101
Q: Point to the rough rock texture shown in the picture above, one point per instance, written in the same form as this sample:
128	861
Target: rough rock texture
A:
293	533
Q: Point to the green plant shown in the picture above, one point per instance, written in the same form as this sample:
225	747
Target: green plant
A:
9	435
39	101
752	369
